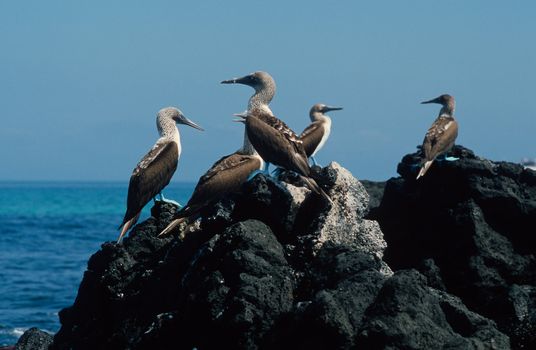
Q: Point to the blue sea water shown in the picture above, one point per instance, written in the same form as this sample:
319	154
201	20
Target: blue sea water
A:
48	231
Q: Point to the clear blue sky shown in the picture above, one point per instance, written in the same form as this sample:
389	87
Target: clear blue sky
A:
81	81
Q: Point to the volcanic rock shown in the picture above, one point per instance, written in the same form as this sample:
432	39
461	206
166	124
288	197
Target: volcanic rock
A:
34	339
470	227
274	266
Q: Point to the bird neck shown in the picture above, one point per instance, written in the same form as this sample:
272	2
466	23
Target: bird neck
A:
262	98
167	129
448	109
318	116
247	147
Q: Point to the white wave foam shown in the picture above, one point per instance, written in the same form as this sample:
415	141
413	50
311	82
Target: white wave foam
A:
15	332
18	331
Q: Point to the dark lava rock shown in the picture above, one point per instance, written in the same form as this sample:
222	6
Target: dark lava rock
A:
470	227
34	339
271	267
236	288
375	190
409	315
331	300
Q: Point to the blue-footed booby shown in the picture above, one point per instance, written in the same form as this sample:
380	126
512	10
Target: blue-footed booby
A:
155	169
264	86
224	177
278	144
441	136
274	141
316	134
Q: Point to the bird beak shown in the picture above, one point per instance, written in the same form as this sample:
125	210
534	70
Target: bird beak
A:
435	100
241	117
230	81
246	80
188	122
331	108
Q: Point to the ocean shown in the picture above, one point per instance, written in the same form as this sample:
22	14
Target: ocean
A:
48	231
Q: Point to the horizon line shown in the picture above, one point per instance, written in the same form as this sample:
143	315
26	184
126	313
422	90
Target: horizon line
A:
84	181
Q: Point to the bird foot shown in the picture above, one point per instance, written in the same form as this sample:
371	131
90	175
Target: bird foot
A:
170	201
313	160
277	172
255	173
444	158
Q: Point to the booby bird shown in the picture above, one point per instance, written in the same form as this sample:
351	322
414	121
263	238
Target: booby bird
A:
264	86
274	141
225	176
278	144
155	169
441	136
316	134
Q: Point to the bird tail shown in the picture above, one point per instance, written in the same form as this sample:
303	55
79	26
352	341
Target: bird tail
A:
171	226
311	183
424	168
189	212
127	225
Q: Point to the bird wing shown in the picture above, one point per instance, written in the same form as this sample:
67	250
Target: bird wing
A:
280	126
151	175
225	176
440	137
311	137
224	162
277	143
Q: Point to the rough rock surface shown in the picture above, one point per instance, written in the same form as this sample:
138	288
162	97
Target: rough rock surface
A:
409	315
375	190
470	227
274	266
34	339
343	222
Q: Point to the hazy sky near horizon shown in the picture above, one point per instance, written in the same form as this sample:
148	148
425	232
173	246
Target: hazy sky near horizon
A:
81	82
